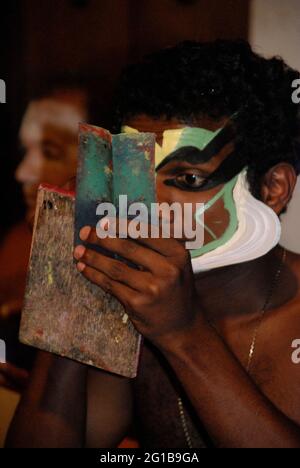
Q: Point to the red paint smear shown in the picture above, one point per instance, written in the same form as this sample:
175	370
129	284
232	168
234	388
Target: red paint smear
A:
101	132
39	332
56	189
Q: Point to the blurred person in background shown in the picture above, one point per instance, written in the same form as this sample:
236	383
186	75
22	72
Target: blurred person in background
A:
48	140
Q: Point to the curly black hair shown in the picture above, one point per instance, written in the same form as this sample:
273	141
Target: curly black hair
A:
218	79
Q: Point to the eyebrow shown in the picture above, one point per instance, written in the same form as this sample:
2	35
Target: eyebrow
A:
186	154
53	144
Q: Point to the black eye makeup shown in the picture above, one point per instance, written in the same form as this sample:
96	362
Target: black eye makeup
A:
178	172
191	180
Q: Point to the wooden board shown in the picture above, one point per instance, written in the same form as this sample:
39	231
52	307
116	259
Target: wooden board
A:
63	312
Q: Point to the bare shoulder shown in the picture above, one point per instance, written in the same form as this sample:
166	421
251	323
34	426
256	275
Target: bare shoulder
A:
284	319
277	367
290	289
293	260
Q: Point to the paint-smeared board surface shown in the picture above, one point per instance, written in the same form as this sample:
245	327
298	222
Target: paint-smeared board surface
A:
63	312
110	166
133	167
94	175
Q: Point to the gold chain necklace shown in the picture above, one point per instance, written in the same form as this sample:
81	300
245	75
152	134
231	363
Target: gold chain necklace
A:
252	346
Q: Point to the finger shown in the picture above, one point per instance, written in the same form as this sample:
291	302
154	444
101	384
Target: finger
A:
169	248
4	382
12	377
13	372
114	269
123	293
128	249
151	236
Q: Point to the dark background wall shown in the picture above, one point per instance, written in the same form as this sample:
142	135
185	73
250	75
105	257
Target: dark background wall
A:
40	39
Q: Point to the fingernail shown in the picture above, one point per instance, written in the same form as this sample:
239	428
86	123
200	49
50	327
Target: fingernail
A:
79	251
80	266
85	232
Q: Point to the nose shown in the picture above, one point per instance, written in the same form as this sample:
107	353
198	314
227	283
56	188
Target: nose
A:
29	170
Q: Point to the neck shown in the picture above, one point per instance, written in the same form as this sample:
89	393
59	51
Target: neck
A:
238	292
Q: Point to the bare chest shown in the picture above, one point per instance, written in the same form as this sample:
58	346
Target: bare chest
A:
162	421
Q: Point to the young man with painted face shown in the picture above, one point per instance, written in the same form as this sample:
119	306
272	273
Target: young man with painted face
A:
219	323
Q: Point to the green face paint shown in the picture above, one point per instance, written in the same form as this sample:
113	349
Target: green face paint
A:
177	138
199	138
229	205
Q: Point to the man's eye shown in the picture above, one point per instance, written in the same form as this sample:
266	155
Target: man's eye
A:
189	181
52	153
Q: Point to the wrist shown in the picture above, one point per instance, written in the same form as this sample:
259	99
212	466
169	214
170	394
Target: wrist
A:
183	338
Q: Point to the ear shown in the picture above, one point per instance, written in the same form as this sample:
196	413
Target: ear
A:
278	186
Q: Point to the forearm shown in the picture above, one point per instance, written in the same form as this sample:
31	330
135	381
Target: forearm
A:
229	404
52	411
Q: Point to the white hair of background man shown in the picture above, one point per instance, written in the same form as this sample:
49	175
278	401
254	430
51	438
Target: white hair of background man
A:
275	30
